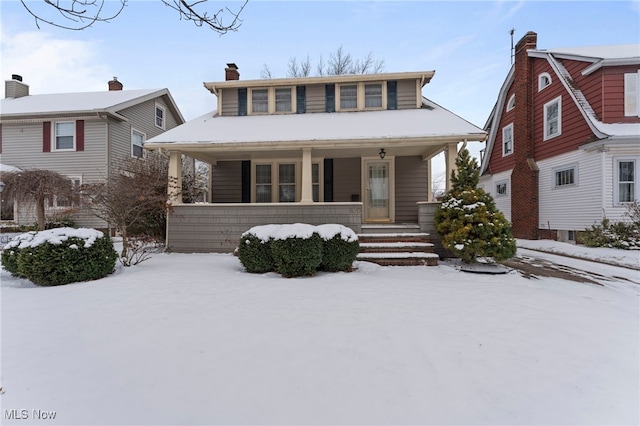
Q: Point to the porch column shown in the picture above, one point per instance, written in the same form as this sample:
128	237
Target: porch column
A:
451	154
307	178
174	188
429	180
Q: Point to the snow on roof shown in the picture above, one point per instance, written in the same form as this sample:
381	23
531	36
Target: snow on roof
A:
601	52
429	121
5	168
73	102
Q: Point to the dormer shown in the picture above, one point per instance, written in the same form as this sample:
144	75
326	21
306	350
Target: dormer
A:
328	94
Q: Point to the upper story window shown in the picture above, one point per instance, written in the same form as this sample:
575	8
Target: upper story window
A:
632	94
260	101
349	96
512	102
553	118
65	136
272	100
507	140
626	185
373	95
544	80
160	116
283	100
566	176
137	142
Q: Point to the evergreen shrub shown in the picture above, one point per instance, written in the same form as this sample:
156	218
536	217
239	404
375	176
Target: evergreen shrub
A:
12	250
340	247
297	256
255	254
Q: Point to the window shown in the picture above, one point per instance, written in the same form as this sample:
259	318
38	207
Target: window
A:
160	114
373	95
512	102
137	141
544	80
553	118
632	94
349	96
502	189
72	200
259	101
507	140
566	176
283	100
65	136
625	181
286	183
263	183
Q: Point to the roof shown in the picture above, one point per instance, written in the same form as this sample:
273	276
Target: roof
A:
617	51
5	168
110	101
430	121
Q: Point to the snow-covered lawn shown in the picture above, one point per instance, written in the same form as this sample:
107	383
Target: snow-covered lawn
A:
192	339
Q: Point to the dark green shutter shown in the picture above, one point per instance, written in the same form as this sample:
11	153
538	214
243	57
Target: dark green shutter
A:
242	101
301	99
330	98
392	95
246	181
328	180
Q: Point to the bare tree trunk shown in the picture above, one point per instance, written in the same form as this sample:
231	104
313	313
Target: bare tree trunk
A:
40	213
125	241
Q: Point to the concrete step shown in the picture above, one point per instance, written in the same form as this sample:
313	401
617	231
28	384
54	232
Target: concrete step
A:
396	247
374	228
400	259
406	237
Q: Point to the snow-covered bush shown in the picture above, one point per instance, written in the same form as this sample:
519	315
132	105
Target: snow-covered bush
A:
297	249
620	235
254	250
339	247
12	250
468	221
63	255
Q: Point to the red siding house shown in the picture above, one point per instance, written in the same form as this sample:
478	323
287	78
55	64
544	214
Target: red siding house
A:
564	138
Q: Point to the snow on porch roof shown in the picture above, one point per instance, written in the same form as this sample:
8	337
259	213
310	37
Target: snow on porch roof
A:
429	121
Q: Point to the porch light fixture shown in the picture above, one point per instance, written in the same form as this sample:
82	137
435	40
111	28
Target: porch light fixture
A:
382	153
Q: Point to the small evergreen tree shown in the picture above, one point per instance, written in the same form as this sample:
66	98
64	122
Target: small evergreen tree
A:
468	221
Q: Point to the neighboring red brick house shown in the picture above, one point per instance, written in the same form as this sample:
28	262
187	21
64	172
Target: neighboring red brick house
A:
564	138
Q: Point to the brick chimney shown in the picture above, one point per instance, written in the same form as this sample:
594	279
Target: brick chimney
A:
231	72
115	84
524	178
15	88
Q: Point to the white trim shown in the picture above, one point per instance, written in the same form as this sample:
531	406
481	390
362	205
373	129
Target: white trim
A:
54	136
275	181
504	129
564	168
511	103
616	179
542	83
163	125
144	138
547	135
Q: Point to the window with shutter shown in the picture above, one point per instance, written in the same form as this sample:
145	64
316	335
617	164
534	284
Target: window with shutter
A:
632	94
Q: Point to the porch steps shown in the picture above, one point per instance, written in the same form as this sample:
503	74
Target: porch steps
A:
396	245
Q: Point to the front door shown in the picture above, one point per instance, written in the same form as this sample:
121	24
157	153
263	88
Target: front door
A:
377	182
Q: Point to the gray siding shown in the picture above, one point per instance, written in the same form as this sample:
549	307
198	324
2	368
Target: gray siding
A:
407	94
411	187
226	182
315	98
346	179
230	101
216	228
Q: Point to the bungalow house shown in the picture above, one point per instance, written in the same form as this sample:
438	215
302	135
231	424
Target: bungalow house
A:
564	138
79	135
348	149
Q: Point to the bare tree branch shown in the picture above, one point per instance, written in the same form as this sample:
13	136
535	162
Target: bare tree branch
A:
187	10
265	72
80	14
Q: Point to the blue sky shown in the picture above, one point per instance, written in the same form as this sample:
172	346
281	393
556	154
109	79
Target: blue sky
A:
147	46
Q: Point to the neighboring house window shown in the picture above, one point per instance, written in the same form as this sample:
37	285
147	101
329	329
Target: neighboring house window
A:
263	183
259	101
507	140
502	189
566	176
349	96
373	95
283	100
553	118
286	183
544	80
160	116
632	94
64	136
625	181
72	201
137	141
512	102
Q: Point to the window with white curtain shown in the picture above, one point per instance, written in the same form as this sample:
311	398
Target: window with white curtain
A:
373	95
260	101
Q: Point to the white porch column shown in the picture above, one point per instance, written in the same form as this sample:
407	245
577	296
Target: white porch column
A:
174	188
450	155
429	180
307	178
